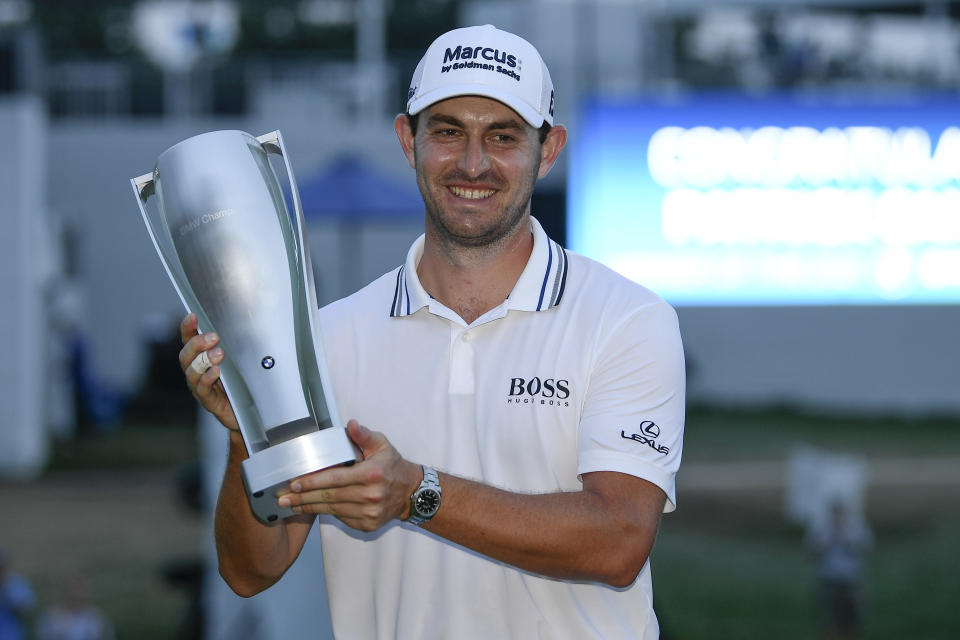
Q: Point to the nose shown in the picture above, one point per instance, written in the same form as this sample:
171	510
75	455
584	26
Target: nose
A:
474	160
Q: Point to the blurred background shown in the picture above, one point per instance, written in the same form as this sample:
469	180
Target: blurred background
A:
787	174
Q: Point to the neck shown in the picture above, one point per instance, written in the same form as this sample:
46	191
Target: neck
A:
473	280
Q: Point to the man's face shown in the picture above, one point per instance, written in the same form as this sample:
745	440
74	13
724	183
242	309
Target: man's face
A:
477	161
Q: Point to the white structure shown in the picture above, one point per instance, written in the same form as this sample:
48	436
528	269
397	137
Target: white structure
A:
26	268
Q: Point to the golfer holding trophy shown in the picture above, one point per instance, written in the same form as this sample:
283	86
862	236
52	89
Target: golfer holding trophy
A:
540	393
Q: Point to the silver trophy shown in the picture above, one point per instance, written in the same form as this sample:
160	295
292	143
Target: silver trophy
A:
225	237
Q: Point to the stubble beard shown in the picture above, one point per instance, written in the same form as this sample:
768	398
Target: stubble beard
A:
491	238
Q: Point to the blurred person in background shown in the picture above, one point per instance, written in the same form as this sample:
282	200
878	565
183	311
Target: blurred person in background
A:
75	617
839	545
16	602
547	389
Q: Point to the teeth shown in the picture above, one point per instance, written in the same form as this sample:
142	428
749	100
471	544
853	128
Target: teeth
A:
472	194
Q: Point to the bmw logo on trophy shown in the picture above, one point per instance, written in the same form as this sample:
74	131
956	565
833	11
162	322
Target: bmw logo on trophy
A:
225	236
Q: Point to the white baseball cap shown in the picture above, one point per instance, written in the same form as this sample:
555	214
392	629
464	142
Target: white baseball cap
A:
484	61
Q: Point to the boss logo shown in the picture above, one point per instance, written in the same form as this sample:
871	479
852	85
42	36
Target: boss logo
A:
536	390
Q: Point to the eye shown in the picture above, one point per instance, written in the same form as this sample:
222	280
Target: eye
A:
503	138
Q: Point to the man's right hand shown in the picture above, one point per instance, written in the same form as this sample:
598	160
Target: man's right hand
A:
206	387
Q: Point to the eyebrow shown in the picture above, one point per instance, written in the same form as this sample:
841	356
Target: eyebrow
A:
440	118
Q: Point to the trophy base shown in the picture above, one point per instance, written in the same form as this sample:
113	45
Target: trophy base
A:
268	473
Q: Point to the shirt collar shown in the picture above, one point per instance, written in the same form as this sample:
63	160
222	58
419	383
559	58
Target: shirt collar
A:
540	286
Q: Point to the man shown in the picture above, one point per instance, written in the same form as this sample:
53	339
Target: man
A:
542	394
840	544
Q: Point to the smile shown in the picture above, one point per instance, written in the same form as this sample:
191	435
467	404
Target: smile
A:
472	194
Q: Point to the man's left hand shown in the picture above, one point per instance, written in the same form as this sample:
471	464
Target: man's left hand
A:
364	496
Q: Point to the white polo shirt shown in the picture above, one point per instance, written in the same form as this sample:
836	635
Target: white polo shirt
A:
578	370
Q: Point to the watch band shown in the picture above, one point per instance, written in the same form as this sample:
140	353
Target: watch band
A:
425	501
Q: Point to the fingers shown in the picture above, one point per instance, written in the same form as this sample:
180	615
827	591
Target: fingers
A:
356	484
201	363
204	384
350	495
337	478
193	347
188	327
193	356
360	507
199	359
365	496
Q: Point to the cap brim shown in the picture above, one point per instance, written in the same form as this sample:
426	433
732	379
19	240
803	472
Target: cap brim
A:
528	113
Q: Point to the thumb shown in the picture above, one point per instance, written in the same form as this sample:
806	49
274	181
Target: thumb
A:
368	441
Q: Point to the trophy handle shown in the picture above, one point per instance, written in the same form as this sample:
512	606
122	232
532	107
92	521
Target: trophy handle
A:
272	143
143	187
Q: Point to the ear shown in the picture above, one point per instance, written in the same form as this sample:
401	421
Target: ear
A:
551	147
401	124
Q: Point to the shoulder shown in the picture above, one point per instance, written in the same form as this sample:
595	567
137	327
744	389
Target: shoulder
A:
597	289
372	301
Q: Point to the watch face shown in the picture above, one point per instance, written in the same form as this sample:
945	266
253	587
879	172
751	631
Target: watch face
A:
427	502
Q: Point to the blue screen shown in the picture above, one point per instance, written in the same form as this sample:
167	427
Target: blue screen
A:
731	200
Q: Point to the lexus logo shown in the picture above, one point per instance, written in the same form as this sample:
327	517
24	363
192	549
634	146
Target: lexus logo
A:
650	428
649	431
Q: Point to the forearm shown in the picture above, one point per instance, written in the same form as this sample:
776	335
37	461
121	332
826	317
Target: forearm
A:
252	556
602	533
598	534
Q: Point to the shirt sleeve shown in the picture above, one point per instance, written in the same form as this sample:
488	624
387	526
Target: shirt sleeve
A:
633	412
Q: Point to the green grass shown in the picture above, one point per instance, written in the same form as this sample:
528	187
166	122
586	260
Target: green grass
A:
760	584
913	589
728	565
713	435
730	586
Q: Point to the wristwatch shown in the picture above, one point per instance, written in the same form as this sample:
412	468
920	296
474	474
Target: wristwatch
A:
425	501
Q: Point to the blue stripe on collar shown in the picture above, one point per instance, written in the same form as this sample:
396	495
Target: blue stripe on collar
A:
560	282
395	308
539	288
546	275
